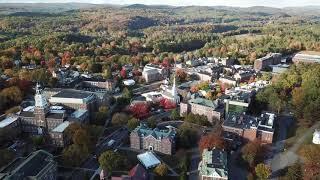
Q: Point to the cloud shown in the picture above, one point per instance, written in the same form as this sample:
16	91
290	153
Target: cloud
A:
241	3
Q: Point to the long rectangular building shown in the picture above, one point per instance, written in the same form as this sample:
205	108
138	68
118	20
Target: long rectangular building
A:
306	57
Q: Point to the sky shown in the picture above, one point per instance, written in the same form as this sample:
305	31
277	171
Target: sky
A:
241	3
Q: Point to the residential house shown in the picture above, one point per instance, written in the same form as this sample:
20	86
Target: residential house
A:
213	165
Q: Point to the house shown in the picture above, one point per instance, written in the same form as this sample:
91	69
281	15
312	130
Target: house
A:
213	165
228	80
108	85
306	57
136	173
39	165
201	106
153	72
250	128
243	76
163	141
264	62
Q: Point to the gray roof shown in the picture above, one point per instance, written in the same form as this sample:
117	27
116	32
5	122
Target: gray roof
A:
30	166
240	121
214	163
7	121
204	102
69	93
143	130
61	127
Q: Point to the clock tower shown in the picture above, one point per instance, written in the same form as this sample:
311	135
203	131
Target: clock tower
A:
41	108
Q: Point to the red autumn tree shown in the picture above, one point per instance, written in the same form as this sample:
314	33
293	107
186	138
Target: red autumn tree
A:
140	110
166	62
51	63
213	140
167	104
66	57
181	74
194	89
123	73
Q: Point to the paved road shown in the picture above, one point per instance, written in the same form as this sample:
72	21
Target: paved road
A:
282	160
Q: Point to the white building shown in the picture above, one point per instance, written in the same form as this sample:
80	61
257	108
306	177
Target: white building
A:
316	137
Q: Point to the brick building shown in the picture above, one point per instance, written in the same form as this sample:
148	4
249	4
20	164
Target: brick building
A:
264	62
58	135
153	139
250	128
202	106
47	120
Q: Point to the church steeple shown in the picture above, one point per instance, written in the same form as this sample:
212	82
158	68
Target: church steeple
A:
40	100
174	92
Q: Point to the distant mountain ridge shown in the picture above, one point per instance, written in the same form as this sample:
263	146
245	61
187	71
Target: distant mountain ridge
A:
10	8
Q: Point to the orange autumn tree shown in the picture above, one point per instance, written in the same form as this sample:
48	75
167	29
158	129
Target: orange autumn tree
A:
212	140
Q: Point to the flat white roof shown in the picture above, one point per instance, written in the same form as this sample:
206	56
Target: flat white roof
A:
148	159
61	127
29	109
8	121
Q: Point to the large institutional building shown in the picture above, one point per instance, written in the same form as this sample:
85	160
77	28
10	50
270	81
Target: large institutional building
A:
264	62
153	139
202	106
52	120
306	57
249	127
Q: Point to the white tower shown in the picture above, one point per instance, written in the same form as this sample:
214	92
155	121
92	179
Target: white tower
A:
174	92
40	100
41	109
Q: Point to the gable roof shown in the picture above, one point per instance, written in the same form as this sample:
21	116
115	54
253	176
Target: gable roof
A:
145	131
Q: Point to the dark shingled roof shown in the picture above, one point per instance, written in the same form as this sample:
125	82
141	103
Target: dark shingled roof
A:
30	166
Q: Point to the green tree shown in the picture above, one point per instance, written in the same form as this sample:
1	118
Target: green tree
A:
74	155
161	170
174	114
262	171
5	156
152	122
119	119
294	172
110	160
133	123
107	74
187	136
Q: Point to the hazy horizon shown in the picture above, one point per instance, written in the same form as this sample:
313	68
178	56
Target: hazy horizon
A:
238	3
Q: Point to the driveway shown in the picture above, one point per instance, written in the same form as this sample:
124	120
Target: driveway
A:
281	159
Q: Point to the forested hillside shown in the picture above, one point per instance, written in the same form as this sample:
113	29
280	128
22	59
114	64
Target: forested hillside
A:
102	37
